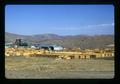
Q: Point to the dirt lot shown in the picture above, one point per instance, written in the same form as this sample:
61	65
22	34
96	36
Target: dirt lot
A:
50	68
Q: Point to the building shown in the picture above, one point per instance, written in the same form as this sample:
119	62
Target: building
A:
8	45
47	47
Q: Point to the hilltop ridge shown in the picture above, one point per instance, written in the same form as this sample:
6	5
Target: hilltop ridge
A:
69	41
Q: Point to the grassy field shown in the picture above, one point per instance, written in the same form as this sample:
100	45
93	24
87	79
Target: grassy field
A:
50	68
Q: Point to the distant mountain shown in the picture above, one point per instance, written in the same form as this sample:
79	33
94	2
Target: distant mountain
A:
10	37
81	41
46	36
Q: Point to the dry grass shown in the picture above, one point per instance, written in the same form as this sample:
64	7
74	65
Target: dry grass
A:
40	67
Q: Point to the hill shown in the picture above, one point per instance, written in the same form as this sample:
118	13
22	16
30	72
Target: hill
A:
79	41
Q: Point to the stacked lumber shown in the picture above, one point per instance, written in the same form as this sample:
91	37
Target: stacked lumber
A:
86	54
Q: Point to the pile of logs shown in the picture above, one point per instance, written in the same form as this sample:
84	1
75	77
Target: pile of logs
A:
78	54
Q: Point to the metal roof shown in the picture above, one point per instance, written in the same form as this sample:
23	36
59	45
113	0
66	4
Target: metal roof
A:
47	45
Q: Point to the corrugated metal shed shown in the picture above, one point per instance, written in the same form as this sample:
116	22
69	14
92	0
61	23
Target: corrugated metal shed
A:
49	46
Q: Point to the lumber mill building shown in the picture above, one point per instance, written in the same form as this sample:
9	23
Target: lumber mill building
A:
47	47
19	43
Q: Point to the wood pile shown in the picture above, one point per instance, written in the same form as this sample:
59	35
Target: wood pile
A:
76	54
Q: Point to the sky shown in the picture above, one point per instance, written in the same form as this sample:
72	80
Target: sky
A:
59	19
